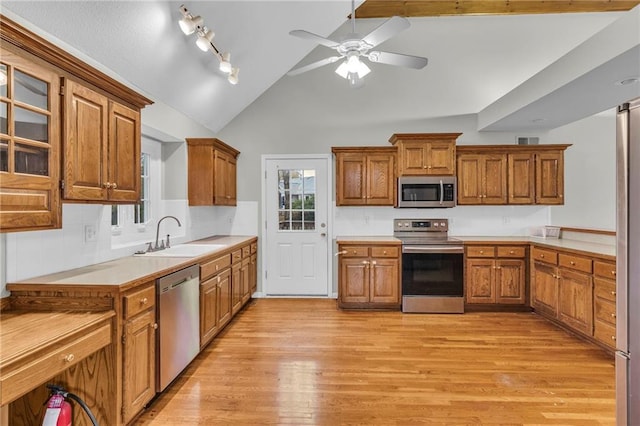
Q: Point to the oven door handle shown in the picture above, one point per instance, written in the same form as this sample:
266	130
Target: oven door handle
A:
432	249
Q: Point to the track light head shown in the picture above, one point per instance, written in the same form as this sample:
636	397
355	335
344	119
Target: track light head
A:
225	63
233	76
205	38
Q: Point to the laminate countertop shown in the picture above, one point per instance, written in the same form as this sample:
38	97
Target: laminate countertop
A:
608	251
125	272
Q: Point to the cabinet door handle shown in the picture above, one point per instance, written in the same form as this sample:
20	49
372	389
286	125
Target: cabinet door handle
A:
114	185
374	263
613	273
155	326
69	358
613	315
384	252
542	256
143	301
613	337
511	252
481	251
613	293
107	185
572	262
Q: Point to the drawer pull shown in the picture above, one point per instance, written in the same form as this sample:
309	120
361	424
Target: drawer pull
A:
374	263
384	252
365	262
572	262
155	326
613	293
144	301
613	315
69	358
542	256
481	251
613	337
511	252
613	273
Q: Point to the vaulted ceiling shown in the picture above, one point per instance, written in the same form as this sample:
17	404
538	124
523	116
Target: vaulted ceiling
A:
480	54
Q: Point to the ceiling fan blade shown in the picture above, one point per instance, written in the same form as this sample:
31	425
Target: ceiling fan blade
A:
409	61
314	65
386	30
311	36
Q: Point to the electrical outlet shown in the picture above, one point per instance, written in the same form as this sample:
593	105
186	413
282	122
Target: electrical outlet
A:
90	233
506	220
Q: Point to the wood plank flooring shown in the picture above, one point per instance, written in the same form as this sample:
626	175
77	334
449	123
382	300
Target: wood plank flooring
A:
304	362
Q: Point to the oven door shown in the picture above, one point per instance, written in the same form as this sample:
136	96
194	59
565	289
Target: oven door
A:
432	271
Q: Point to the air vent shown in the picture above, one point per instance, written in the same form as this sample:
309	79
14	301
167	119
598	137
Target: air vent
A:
527	140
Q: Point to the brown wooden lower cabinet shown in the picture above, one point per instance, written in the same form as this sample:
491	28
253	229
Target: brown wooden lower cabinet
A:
576	290
495	274
604	302
369	276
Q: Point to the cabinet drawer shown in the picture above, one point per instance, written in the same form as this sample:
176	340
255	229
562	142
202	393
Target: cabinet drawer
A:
139	300
543	255
605	333
236	256
604	269
605	289
605	310
388	251
254	248
575	262
511	251
214	266
480	251
246	251
48	364
354	251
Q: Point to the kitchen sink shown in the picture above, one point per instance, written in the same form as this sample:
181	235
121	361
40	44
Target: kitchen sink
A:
184	250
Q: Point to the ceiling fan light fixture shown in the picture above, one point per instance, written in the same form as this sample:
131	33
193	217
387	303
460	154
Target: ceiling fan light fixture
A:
225	63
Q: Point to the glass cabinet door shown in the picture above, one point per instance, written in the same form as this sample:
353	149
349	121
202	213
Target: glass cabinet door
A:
29	144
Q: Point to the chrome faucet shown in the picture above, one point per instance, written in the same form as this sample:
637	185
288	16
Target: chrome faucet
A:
158	247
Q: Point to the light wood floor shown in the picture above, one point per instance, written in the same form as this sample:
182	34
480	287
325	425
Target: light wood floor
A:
304	362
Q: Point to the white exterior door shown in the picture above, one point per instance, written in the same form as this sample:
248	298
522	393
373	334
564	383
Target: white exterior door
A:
296	243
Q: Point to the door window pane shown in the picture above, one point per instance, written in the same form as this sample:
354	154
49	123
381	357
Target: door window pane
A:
30	91
31	160
31	125
296	198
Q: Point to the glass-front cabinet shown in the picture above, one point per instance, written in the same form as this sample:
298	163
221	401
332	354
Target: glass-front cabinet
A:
29	145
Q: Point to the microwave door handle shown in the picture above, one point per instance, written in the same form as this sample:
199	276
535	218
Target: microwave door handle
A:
441	192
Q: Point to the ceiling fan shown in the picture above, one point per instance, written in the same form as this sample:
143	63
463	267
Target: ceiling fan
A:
353	48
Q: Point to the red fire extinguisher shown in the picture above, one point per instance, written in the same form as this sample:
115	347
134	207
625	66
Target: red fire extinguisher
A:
59	411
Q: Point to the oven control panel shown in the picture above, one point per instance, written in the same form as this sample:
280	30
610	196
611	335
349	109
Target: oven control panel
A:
420	225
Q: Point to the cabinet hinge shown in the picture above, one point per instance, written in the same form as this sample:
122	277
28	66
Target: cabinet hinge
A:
124	338
62	184
61	90
265	275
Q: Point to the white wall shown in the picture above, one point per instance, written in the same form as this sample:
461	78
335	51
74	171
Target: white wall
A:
590	173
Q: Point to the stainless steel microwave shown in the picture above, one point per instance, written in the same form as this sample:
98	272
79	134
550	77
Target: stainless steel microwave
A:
426	191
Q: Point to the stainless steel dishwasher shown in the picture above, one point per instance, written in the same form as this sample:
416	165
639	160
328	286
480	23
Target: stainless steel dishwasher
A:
178	340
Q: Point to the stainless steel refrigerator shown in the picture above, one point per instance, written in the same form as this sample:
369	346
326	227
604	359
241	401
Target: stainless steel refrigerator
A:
628	265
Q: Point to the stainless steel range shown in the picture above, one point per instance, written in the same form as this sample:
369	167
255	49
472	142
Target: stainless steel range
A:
432	266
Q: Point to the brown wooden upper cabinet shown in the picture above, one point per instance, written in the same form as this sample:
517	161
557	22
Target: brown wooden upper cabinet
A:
422	154
29	145
365	176
482	178
511	174
88	142
212	172
101	147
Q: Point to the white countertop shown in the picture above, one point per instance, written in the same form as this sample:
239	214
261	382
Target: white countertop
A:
128	271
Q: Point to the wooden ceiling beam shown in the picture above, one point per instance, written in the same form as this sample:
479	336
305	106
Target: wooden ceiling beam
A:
416	8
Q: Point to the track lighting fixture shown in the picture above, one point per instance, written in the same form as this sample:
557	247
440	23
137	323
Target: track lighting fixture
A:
190	24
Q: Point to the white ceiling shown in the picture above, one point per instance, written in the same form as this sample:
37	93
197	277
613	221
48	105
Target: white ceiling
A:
476	63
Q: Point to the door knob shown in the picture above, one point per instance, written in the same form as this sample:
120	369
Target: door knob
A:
323	235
